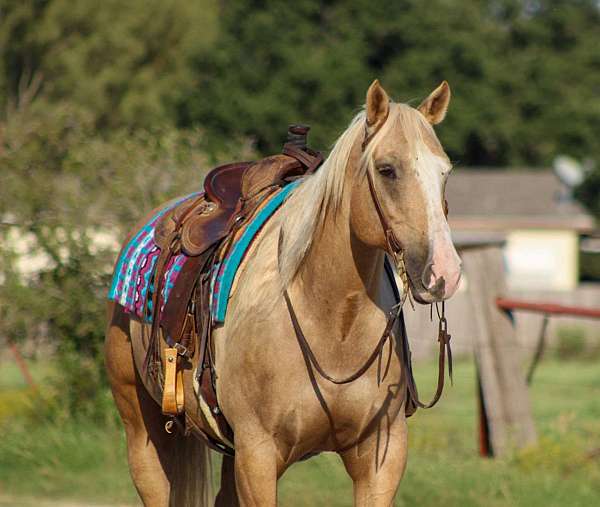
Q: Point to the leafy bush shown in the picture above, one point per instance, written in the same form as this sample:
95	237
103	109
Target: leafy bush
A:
68	195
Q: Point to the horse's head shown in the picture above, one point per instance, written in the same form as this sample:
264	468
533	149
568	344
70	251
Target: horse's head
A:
406	172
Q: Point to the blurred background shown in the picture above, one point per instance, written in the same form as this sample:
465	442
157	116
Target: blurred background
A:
110	108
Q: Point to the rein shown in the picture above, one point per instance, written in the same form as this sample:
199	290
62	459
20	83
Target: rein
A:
394	248
305	346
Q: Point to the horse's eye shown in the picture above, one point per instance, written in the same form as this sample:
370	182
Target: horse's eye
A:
387	171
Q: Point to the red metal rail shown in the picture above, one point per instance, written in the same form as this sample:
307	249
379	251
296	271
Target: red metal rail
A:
547	308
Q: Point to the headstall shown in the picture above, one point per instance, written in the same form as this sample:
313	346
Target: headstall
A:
396	252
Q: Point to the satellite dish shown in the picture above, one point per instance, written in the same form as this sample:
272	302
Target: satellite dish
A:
569	171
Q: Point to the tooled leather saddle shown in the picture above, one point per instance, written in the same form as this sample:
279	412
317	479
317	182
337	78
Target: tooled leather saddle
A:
203	229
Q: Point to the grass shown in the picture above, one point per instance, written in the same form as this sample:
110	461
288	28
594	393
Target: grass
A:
81	462
444	468
88	461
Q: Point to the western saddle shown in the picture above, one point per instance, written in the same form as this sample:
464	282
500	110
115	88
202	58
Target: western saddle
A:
203	229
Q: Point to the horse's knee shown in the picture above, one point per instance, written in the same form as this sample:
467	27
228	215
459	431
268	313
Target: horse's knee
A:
377	465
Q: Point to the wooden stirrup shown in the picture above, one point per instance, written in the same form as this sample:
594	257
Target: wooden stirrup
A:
172	400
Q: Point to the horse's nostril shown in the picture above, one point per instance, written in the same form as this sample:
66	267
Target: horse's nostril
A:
438	288
428	276
432	283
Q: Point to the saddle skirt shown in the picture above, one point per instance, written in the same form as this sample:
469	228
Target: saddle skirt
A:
134	279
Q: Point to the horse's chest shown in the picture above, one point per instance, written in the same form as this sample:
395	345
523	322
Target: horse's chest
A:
266	383
327	416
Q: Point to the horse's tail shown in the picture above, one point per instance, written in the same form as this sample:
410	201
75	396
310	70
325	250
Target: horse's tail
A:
191	479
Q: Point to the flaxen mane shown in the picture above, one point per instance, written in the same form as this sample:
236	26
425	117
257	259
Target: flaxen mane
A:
308	206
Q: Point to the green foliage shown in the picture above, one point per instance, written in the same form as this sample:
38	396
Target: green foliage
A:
523	74
107	109
574	343
589	263
571	343
127	63
73	459
70	195
85	460
589	193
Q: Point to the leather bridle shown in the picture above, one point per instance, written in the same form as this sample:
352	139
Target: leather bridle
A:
393	243
395	250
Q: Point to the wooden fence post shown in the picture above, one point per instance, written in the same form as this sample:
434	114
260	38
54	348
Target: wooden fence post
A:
506	416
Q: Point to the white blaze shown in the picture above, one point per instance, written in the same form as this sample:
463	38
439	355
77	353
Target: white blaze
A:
431	171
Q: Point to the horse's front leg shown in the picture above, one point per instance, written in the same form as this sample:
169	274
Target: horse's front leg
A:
377	464
256	468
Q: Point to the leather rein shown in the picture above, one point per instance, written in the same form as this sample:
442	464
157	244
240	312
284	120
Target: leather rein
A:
395	250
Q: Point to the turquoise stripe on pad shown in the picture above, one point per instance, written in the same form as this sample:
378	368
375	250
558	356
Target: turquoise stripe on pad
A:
234	259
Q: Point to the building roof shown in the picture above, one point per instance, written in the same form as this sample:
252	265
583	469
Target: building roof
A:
500	200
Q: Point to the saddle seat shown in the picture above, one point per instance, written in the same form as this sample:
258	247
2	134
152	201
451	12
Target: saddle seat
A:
231	193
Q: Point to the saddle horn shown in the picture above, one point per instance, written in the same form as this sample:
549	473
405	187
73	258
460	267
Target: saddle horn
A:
298	135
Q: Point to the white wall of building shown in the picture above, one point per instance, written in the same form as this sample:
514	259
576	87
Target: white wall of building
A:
542	260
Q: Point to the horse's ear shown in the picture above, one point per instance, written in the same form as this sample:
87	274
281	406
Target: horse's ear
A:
435	106
378	106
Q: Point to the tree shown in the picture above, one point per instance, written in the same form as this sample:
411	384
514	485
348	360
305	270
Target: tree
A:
67	199
524	74
125	62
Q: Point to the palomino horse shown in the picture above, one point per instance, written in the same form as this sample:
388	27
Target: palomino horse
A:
323	253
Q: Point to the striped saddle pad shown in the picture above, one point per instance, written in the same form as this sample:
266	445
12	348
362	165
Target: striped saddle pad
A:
133	278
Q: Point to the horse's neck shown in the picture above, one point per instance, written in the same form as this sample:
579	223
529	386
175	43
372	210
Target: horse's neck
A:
338	264
340	279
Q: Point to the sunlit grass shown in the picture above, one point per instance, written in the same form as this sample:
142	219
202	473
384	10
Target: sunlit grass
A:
88	460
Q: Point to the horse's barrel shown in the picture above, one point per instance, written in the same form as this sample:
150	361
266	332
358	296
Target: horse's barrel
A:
297	135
